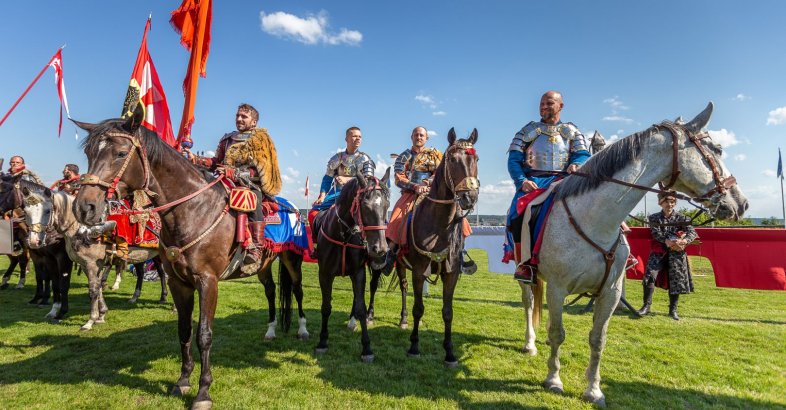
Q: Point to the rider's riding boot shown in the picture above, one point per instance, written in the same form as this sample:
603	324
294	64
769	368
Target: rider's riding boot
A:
673	299
390	259
4	283
99	230
649	289
525	273
21	284
468	266
254	251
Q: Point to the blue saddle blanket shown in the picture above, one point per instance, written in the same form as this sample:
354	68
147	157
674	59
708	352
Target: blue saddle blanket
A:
285	231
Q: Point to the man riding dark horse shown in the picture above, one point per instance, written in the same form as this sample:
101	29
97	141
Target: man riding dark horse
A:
248	158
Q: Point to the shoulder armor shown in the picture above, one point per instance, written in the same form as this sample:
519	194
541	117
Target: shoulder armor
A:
333	164
526	135
227	136
365	164
402	160
569	131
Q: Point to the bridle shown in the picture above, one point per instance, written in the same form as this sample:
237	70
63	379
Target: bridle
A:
47	225
468	183
357	228
111	187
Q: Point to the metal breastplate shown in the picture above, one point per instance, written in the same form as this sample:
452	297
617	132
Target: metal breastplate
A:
417	177
549	150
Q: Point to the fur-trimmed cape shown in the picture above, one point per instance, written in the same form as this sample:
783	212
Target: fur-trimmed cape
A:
260	152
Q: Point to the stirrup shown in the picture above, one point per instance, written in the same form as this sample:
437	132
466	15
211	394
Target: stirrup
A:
468	267
390	262
251	260
525	273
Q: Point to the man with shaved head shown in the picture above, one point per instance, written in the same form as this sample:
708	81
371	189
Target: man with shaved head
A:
545	145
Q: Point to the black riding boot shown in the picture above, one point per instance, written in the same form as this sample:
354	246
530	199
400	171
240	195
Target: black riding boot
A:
673	300
251	262
649	289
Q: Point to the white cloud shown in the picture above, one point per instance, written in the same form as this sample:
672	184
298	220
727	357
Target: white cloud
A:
426	100
724	137
382	166
618	118
504	187
615	104
439	113
287	179
769	173
740	157
741	97
313	29
432	133
613	138
293	172
295	153
777	116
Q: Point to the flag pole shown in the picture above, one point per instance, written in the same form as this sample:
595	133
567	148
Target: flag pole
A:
43	70
783	205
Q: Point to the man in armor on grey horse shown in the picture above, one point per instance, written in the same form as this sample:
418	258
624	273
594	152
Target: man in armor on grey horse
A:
248	158
18	168
545	145
341	168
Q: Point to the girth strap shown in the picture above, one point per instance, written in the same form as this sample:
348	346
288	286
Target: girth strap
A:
608	256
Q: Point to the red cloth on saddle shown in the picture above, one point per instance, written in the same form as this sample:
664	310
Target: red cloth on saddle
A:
522	202
130	231
307	255
748	258
539	240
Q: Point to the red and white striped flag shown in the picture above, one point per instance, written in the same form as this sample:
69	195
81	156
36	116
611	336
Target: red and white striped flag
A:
306	192
57	64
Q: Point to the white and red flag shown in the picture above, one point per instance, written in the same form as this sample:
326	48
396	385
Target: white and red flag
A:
57	64
306	192
145	88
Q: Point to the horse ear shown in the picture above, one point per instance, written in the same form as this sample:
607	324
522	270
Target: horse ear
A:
48	193
361	179
701	120
451	136
135	120
473	138
386	179
84	125
1	164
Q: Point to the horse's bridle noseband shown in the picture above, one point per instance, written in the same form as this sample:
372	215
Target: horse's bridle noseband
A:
468	183
111	187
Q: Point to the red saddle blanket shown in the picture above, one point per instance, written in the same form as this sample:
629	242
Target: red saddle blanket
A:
132	232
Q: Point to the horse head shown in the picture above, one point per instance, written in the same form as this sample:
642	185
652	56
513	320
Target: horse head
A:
460	170
39	214
702	173
370	210
10	194
117	165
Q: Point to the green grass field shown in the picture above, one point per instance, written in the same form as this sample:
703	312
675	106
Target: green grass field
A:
729	351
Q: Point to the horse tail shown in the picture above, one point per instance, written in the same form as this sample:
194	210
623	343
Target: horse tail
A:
537	308
284	295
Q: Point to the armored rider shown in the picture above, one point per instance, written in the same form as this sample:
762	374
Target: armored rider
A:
248	158
70	182
545	145
413	172
341	168
17	168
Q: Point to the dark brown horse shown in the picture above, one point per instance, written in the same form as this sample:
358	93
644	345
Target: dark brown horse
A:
198	234
351	234
435	234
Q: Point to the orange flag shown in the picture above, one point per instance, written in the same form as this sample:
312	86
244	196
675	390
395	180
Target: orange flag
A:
192	21
145	88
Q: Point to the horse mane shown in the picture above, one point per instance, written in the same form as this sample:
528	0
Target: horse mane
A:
348	192
158	152
32	186
604	164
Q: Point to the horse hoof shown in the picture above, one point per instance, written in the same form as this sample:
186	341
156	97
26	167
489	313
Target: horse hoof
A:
554	388
303	336
369	358
115	287
85	328
529	351
410	354
451	365
202	405
161	302
403	326
370	322
178	390
132	300
598	401
269	338
321	350
100	320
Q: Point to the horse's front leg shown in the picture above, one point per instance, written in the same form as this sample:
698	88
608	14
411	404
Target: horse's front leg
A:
65	266
604	309
265	276
555	296
183	296
94	288
375	275
162	278
417	310
528	299
208	297
294	267
359	311
401	272
326	286
449	280
139	269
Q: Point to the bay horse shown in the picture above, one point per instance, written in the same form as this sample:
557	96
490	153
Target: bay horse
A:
197	232
679	156
435	237
351	234
47	212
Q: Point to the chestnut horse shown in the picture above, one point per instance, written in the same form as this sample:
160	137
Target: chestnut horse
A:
198	234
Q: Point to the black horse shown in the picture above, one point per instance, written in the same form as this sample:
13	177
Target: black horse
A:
349	234
20	259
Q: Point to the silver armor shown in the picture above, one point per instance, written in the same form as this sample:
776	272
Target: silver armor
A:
548	146
348	165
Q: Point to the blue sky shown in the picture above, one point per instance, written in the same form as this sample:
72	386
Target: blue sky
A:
314	68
